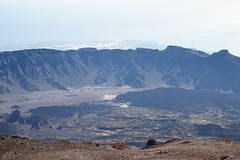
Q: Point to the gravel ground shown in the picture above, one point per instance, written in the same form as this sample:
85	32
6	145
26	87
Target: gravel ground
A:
16	148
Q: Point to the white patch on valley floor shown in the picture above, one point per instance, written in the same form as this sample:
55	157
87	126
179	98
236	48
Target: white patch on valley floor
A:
124	105
109	97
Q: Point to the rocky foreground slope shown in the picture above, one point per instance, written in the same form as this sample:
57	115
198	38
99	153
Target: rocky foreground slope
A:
22	148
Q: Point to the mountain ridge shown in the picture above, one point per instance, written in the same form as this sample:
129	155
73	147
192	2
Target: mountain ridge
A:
43	69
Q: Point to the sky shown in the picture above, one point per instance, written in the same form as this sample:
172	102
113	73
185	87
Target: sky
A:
207	25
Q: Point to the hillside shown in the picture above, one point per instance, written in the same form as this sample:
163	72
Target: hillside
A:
45	69
22	148
110	96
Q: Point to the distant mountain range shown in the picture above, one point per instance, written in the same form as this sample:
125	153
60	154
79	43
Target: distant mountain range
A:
45	69
107	44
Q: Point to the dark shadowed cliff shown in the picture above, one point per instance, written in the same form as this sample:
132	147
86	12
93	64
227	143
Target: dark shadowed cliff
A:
43	69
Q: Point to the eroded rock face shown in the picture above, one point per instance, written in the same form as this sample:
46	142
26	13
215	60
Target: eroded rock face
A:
36	121
46	69
14	117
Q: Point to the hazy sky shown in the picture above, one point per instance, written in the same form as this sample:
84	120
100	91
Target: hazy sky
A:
207	25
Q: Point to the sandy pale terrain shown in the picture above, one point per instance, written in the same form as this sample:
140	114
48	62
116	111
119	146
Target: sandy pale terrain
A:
74	96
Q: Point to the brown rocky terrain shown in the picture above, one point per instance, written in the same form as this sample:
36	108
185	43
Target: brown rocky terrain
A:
12	147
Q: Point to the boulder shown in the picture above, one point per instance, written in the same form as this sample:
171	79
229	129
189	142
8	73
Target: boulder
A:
151	143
